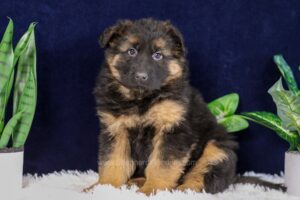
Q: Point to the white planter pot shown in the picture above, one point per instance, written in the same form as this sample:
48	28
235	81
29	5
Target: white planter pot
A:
11	172
292	172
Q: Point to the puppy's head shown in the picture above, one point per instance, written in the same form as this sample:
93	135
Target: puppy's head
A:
145	54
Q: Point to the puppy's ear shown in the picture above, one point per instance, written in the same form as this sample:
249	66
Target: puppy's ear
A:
113	32
177	38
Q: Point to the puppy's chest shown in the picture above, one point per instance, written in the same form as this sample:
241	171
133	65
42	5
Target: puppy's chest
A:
141	139
162	116
142	128
141	145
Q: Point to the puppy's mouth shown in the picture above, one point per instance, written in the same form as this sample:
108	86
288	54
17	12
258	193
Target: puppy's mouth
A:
139	86
144	87
141	90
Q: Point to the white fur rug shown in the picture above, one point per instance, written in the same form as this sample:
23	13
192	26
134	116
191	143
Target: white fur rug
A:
67	185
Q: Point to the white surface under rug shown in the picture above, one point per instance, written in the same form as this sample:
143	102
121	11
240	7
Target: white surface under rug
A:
67	185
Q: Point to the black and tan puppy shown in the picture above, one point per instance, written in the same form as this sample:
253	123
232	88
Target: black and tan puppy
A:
156	130
153	123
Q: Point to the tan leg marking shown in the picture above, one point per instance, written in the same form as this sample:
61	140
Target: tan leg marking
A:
162	175
194	179
119	167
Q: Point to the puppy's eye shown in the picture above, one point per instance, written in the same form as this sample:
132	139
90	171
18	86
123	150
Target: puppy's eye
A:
132	52
157	56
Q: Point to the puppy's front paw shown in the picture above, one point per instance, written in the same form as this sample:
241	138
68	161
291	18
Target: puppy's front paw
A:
139	182
148	190
185	187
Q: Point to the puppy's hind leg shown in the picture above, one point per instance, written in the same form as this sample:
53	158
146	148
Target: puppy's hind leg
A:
213	172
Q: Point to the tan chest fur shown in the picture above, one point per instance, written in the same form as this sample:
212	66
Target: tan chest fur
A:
163	116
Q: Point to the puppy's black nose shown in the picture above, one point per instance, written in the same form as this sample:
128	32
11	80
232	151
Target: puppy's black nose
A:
141	76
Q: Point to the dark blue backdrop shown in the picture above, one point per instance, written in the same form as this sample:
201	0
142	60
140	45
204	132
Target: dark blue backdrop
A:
230	43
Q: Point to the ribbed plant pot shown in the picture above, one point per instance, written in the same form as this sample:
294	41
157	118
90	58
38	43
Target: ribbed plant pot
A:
11	171
292	172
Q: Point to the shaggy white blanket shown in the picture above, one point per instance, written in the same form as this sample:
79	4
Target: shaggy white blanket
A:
67	185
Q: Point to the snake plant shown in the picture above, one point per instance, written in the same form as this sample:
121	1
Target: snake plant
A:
287	121
17	72
224	108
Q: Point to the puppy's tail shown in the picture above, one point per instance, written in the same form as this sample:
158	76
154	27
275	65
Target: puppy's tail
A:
259	182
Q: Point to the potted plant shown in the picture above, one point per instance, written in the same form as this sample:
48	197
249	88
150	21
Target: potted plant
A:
17	71
224	109
286	123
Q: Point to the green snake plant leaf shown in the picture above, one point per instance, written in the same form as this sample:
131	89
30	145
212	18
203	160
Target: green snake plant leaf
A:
9	129
287	73
288	106
24	67
6	68
26	96
23	42
234	123
28	104
274	123
224	106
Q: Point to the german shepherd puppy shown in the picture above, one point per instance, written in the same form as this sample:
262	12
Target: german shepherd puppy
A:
156	130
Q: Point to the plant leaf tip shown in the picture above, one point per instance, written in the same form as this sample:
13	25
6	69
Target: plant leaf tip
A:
9	18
